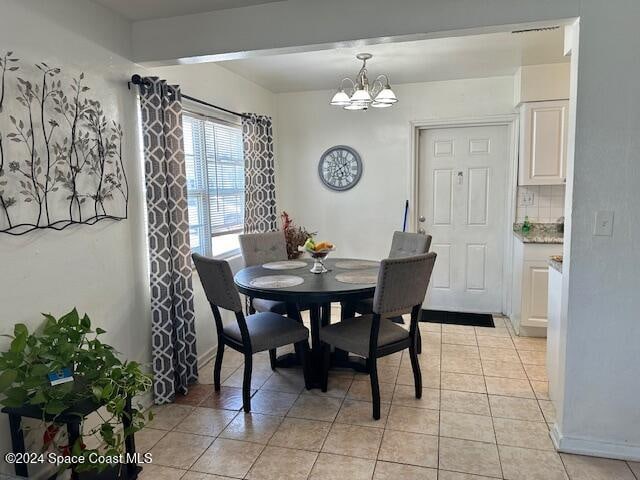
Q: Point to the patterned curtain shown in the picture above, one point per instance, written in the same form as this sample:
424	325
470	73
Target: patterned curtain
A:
260	181
172	322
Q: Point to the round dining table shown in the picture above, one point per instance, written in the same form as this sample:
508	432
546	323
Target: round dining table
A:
292	282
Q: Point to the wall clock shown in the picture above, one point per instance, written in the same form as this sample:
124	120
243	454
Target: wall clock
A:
340	168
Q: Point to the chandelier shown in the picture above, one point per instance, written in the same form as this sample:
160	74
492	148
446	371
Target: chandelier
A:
360	95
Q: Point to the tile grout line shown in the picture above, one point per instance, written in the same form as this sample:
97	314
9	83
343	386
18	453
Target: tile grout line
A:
538	402
491	411
331	427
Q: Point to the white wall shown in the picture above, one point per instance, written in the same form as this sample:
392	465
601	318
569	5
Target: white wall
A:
600	413
287	25
100	269
361	221
218	86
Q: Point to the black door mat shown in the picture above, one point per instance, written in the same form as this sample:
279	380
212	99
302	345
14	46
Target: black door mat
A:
457	318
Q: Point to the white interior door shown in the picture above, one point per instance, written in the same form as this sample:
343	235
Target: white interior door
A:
462	202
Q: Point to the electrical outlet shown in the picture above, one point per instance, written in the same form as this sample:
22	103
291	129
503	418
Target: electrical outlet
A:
526	200
604	224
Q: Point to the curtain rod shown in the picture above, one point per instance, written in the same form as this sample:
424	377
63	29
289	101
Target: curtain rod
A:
138	80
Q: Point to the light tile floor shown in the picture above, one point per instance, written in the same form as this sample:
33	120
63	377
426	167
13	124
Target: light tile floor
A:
484	413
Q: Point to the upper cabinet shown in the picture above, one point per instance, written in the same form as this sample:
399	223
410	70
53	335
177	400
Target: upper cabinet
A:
543	143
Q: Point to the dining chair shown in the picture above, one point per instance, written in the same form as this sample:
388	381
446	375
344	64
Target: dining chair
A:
258	249
403	244
248	335
402	285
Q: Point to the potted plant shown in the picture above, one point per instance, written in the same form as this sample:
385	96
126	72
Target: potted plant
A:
295	236
92	377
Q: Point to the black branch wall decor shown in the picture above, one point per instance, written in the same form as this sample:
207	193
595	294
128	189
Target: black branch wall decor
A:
60	155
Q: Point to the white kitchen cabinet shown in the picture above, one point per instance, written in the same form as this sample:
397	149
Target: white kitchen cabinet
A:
535	285
543	143
530	287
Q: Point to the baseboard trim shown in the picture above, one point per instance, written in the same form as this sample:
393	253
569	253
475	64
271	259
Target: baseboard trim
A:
593	448
206	357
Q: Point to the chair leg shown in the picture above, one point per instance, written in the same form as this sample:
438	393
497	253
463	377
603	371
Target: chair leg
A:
417	375
326	364
272	358
218	366
418	341
246	382
305	357
375	388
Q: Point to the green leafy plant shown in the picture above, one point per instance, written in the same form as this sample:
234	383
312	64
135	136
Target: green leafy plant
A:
98	376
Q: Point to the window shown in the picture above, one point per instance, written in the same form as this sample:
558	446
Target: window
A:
215	184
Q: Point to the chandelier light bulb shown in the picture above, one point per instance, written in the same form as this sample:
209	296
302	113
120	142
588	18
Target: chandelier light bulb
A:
356	106
377	104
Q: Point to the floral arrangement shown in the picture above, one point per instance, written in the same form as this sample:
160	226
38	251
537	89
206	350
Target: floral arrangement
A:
295	235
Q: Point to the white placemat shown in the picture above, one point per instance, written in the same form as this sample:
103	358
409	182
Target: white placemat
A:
360	276
285	265
276	281
356	264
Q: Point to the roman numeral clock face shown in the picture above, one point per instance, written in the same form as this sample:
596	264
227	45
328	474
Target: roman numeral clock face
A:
340	168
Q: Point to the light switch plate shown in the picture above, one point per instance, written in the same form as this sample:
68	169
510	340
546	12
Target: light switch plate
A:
604	223
527	199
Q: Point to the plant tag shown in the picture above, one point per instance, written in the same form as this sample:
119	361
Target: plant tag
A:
61	376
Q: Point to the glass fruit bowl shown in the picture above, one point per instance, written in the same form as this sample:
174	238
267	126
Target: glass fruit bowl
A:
318	256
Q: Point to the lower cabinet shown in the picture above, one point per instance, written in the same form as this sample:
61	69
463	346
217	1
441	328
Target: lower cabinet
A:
530	287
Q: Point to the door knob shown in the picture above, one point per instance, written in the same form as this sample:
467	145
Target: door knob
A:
421	218
421	230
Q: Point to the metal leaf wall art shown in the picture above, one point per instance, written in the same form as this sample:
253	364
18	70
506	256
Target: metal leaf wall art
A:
60	156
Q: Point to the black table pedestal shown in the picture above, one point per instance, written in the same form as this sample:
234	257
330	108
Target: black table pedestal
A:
320	315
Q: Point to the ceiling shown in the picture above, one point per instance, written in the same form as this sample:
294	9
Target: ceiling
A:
149	9
472	56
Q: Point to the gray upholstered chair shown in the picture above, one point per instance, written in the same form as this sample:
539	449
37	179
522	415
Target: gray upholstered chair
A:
403	244
260	248
402	285
407	244
248	335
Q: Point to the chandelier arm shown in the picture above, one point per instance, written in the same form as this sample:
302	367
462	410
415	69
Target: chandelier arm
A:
377	87
353	84
386	78
362	74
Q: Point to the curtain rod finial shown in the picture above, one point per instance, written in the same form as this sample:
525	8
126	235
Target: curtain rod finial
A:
139	80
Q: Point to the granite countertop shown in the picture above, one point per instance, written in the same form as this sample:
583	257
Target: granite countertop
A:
539	233
555	262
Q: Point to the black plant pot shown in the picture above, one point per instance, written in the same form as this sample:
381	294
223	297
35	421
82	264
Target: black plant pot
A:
115	472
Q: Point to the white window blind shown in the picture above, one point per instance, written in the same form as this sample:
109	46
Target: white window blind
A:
215	184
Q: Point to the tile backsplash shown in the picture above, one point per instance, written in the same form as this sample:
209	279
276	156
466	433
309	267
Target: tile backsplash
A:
548	203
